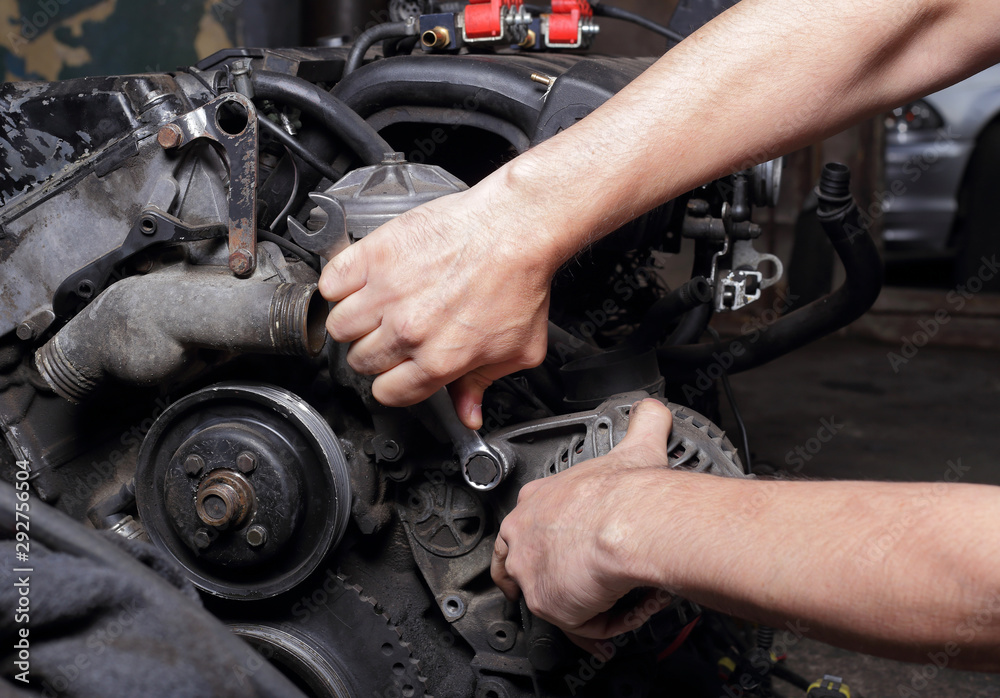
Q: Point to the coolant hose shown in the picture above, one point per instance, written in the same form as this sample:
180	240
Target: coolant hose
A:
842	223
144	329
386	30
681	300
329	110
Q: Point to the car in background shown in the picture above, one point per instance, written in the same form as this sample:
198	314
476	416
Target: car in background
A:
942	176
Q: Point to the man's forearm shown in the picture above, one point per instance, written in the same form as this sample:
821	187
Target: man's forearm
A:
761	80
890	568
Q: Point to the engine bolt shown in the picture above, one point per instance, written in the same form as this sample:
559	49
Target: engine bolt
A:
170	137
241	263
25	331
202	539
194	464
246	462
256	536
482	470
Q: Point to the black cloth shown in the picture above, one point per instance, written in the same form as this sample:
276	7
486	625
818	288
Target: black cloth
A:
95	633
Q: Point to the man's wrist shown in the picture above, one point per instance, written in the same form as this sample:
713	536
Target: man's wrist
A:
661	542
523	189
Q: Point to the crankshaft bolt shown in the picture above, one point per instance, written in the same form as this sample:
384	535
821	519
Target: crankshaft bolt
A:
224	499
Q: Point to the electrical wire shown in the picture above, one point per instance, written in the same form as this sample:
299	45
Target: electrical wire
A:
291	199
291	248
279	134
747	464
602	10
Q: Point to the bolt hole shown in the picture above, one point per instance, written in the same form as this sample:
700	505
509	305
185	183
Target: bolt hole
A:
602	427
501	634
86	289
492	694
386	649
398	668
408	690
148	226
232	117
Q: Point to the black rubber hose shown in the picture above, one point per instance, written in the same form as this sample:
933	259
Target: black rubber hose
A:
59	533
691	326
474	84
330	111
841	220
682	299
602	10
311	260
290	142
387	30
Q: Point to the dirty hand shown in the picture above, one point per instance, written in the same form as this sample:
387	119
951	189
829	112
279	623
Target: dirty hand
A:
572	544
455	291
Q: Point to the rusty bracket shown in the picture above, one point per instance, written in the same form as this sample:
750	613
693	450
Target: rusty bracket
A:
229	120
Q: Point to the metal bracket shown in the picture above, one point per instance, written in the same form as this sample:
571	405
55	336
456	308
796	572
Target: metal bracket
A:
151	228
230	121
743	283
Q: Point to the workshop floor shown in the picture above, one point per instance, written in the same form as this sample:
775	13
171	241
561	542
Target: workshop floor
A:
905	425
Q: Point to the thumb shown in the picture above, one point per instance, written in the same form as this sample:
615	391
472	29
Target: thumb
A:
467	391
345	274
648	430
467	394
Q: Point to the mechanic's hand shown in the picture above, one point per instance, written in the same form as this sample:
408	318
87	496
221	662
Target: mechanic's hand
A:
440	295
570	545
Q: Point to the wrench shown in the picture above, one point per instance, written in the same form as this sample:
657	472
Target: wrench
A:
483	467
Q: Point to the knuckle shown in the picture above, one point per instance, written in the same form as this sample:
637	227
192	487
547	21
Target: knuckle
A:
535	352
409	333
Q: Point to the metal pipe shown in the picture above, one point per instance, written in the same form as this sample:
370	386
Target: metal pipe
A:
145	329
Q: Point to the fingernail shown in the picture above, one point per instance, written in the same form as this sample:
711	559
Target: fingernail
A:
476	416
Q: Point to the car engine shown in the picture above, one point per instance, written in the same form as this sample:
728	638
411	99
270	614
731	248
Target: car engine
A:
165	370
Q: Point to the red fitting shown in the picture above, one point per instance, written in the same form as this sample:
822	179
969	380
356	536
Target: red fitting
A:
564	22
484	18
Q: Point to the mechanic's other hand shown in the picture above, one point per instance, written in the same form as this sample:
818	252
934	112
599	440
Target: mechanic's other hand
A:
442	294
571	544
